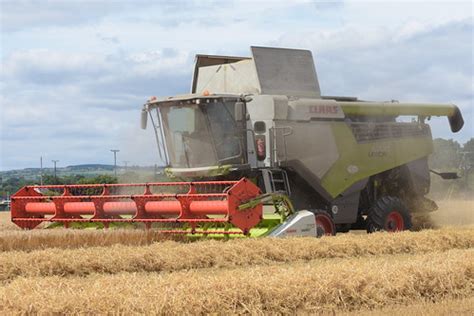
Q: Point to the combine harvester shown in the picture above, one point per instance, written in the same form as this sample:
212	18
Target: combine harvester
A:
256	131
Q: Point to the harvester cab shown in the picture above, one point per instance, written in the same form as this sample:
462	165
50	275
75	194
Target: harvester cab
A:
257	131
200	136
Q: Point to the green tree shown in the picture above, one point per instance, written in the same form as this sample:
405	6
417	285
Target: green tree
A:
446	155
49	179
99	179
468	165
12	185
468	150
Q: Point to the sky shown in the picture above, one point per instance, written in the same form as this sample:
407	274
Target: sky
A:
75	74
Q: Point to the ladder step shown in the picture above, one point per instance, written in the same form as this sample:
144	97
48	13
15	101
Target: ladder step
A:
276	181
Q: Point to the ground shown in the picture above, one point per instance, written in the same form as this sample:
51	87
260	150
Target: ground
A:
426	272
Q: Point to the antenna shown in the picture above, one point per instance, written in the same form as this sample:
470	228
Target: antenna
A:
41	170
125	162
55	177
115	151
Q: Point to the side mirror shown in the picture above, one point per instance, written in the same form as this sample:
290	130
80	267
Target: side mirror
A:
144	118
239	111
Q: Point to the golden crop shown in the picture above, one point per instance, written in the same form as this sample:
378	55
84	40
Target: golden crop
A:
138	272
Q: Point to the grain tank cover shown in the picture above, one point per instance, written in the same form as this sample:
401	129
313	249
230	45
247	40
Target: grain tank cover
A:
211	60
285	71
271	71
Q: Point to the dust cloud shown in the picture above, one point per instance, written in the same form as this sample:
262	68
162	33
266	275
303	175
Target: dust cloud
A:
453	212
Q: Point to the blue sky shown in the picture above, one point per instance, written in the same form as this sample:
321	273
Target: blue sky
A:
74	74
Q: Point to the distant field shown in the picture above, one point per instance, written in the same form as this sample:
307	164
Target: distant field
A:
5	223
134	271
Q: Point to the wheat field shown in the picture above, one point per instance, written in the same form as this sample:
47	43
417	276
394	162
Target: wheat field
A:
58	271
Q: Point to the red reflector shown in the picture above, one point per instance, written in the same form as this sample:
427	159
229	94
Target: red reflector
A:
260	144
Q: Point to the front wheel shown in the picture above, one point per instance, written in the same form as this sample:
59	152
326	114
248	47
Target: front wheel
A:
388	214
324	224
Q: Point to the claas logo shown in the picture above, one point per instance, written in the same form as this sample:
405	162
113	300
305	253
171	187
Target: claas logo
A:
324	109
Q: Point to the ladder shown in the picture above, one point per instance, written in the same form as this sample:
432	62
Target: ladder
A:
275	180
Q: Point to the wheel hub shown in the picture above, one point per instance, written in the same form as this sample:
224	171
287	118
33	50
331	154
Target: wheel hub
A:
323	226
394	222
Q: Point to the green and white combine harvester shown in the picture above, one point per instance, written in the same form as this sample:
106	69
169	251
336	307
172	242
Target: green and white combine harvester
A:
256	131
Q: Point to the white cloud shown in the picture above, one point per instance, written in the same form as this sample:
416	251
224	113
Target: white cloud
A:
26	14
48	67
76	105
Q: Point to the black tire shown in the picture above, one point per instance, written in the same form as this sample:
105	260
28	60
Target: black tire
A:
388	214
324	224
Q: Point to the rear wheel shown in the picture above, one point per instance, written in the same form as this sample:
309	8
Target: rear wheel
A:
388	214
324	224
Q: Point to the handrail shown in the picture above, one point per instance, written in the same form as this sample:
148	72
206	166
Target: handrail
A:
273	150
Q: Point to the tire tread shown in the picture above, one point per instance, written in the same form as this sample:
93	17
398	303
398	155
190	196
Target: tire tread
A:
381	208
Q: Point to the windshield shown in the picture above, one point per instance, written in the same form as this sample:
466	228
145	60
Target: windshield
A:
200	135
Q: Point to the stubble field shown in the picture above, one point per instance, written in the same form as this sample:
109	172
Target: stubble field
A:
133	271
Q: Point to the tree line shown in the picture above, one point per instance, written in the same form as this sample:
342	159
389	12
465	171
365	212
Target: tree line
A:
13	184
451	156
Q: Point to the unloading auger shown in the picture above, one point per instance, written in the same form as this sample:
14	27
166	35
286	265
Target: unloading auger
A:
256	131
